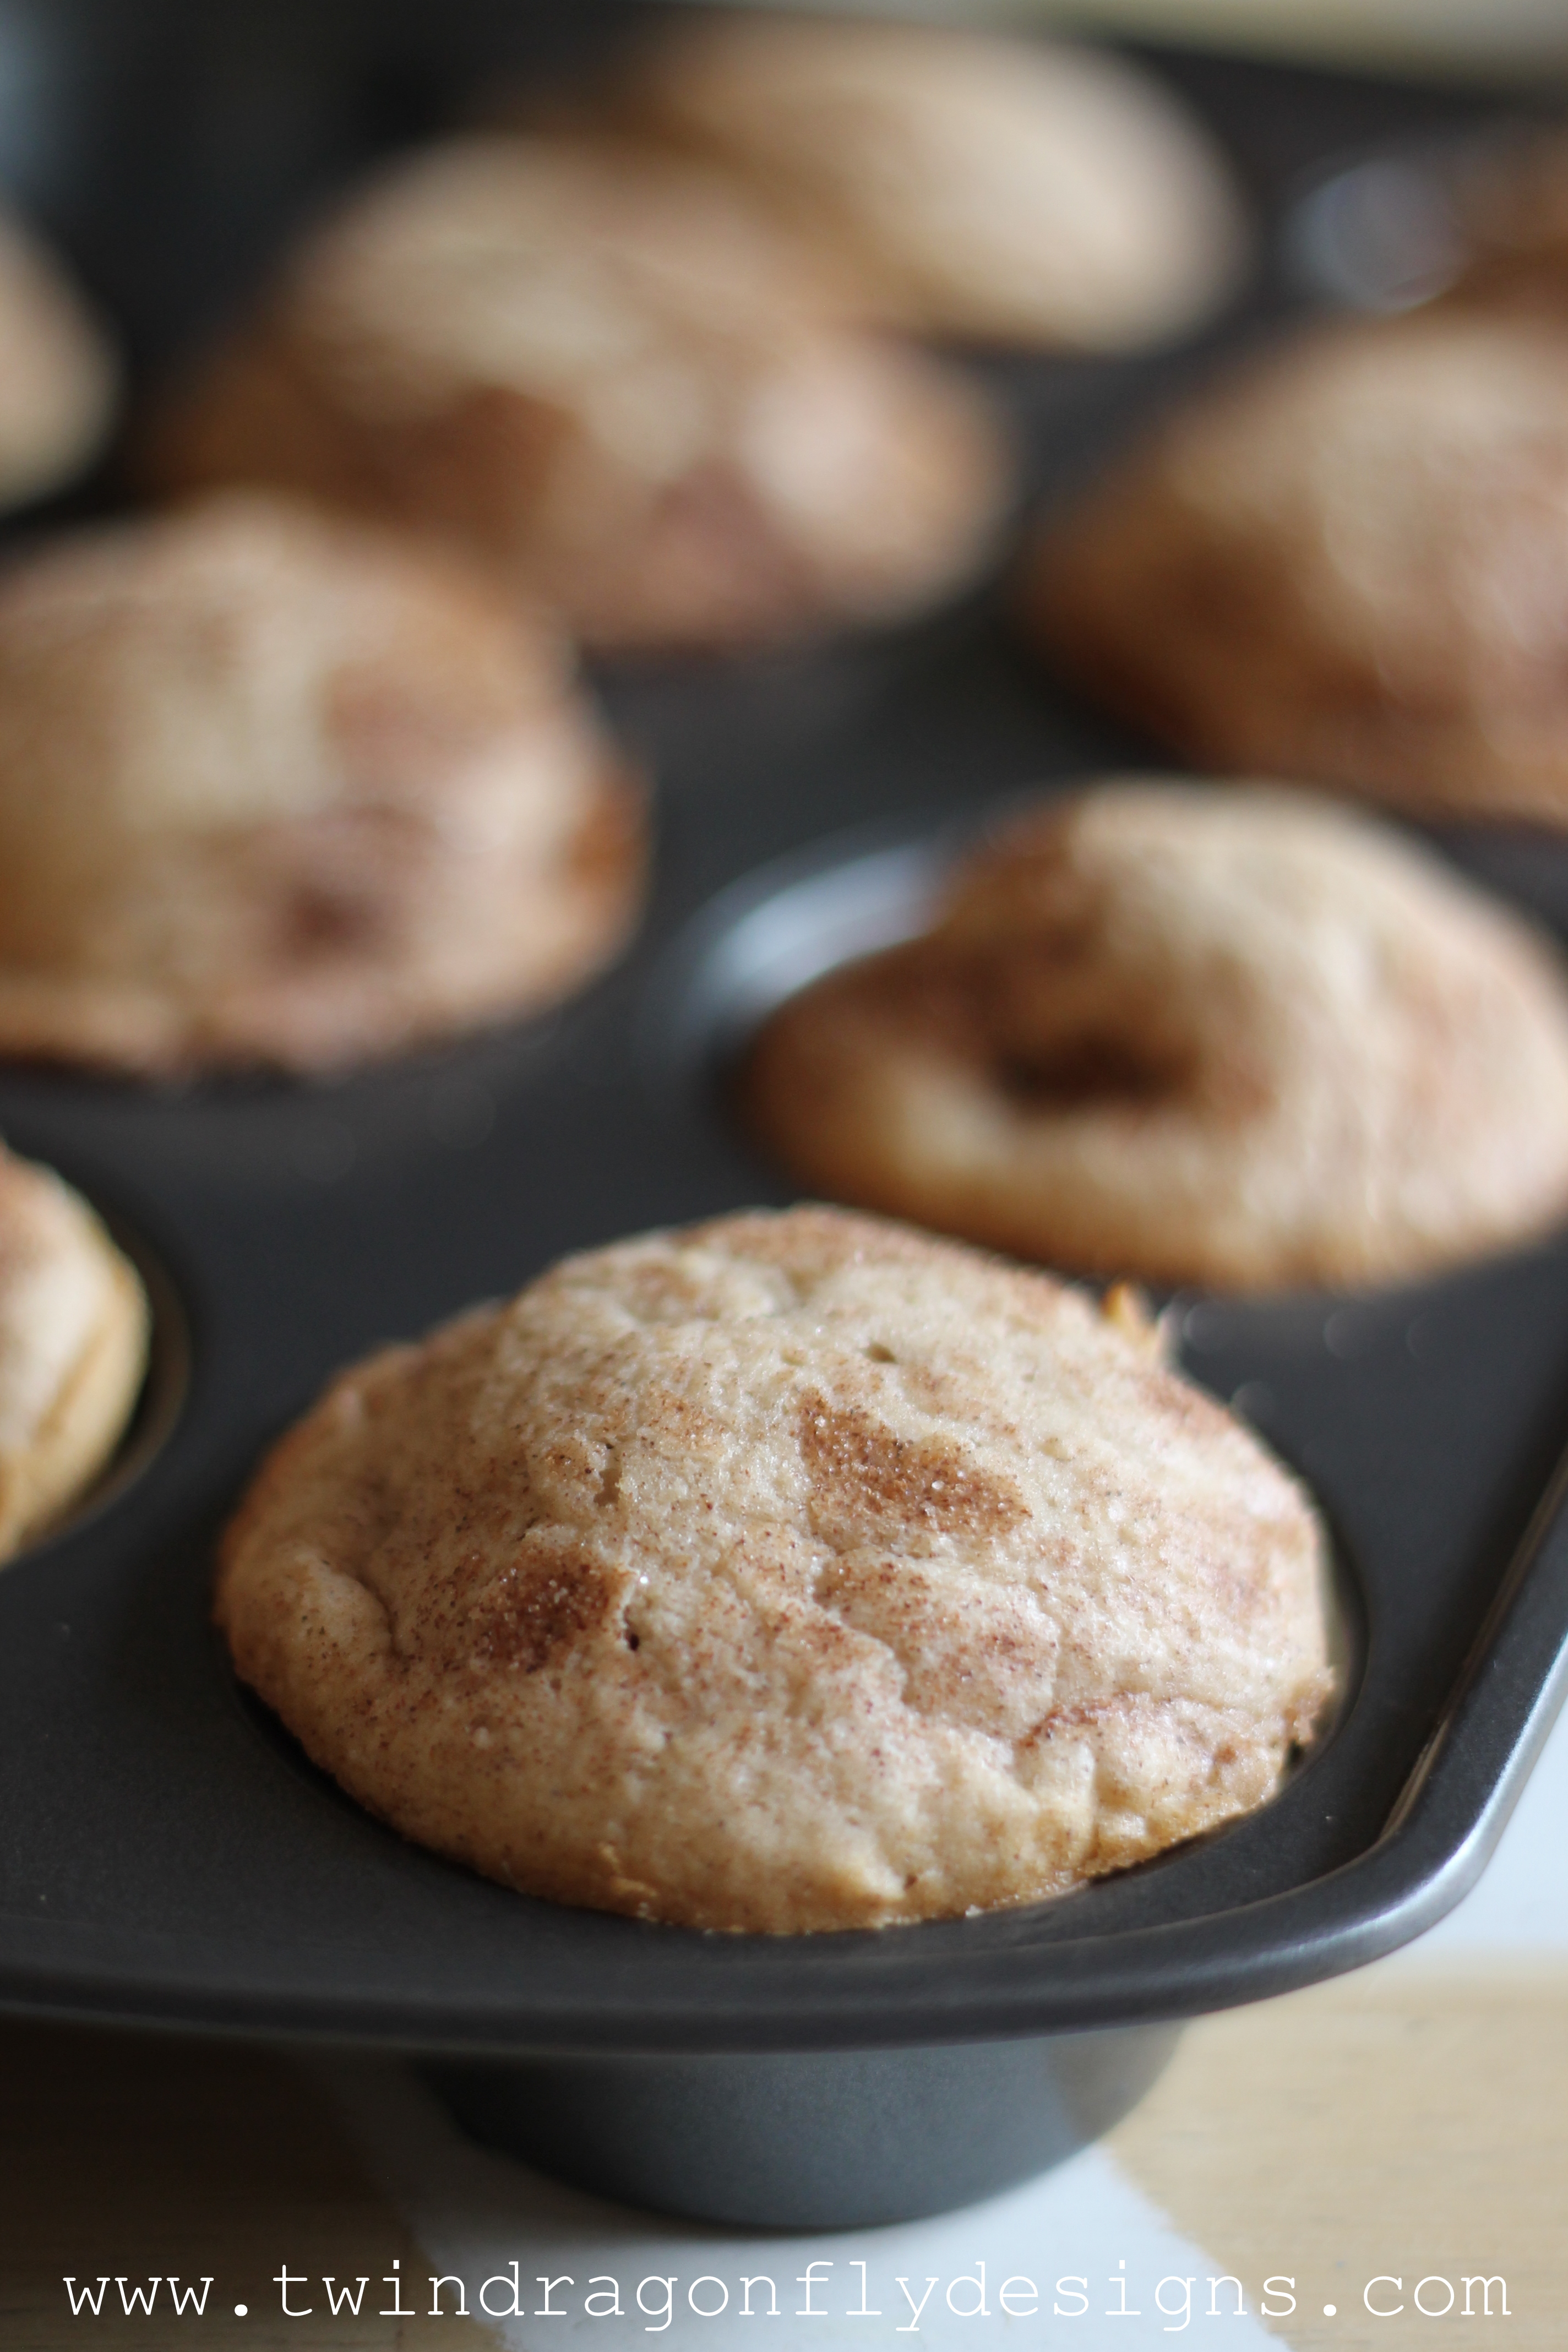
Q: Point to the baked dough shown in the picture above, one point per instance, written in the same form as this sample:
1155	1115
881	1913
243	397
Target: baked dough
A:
276	788
790	1573
1233	1037
1348	563
594	365
59	377
73	1348
1012	191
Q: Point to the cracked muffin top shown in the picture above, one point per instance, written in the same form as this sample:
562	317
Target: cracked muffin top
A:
794	1571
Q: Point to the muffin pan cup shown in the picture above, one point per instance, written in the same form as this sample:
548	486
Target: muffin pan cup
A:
811	2139
168	1857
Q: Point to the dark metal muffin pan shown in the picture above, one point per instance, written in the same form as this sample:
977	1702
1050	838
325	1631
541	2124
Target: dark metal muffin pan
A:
168	1855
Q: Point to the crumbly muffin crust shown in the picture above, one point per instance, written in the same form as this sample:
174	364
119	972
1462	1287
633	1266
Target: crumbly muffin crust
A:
791	1572
1232	1036
73	1348
595	367
282	789
1348	563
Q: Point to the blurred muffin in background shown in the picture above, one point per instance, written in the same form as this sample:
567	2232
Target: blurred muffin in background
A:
1347	561
596	367
59	377
1235	1036
278	788
1007	191
73	1348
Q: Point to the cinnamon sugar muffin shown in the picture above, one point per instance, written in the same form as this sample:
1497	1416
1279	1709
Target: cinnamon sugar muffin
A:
280	789
595	367
791	1572
1012	191
59	377
1234	1037
73	1348
1349	562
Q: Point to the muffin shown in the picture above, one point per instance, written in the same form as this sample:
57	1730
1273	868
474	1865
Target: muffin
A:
792	1573
59	377
1349	563
1233	1037
73	1348
280	789
1009	191
595	368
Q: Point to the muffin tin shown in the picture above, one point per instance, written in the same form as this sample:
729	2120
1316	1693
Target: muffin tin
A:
171	1857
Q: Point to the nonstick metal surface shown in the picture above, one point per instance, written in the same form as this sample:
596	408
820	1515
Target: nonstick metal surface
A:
165	1851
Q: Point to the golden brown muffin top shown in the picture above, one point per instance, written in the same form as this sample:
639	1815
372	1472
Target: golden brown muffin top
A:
792	1571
